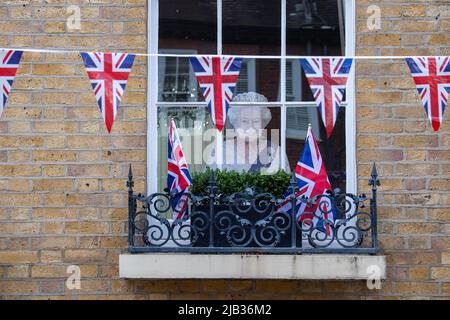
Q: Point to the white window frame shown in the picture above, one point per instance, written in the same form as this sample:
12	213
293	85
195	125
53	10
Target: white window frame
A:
152	91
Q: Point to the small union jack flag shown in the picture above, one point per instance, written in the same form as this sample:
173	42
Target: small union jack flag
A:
108	73
217	78
178	176
432	78
327	78
9	62
312	181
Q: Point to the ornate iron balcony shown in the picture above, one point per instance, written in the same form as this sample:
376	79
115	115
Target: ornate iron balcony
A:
254	222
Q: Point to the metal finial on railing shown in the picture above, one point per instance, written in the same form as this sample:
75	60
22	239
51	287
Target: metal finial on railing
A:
130	182
293	185
374	181
131	208
212	179
212	187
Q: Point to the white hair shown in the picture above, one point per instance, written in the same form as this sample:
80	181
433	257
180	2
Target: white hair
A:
235	112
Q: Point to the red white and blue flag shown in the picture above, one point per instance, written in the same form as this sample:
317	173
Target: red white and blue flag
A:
9	62
217	78
108	73
178	176
432	78
327	78
312	181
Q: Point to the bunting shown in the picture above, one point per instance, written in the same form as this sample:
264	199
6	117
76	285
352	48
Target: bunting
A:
217	78
9	62
108	73
432	78
327	78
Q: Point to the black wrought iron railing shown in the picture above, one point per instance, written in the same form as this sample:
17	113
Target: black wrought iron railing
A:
248	221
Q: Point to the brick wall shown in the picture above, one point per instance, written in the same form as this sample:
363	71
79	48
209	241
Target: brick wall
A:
62	193
414	210
62	176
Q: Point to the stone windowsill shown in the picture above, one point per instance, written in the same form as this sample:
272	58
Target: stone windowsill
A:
250	266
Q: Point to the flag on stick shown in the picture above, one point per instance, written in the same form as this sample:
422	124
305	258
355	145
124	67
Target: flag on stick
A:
178	176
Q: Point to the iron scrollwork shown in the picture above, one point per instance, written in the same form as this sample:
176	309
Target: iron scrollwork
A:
253	222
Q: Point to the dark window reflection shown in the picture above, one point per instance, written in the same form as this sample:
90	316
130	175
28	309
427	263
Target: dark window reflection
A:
188	24
177	82
261	76
314	27
252	27
332	149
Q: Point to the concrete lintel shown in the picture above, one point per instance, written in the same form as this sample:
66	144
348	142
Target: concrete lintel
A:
250	266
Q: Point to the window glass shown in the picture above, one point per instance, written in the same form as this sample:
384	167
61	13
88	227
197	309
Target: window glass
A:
261	76
331	149
177	82
251	27
189	25
251	138
197	134
297	87
314	27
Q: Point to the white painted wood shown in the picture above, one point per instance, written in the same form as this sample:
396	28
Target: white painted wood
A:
350	110
283	84
152	97
250	266
219	135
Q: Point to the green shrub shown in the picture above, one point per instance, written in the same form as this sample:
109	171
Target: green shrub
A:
230	181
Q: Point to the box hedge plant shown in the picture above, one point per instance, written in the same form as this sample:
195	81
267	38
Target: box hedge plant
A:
230	181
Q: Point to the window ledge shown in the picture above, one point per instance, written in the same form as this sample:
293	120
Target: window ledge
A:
250	266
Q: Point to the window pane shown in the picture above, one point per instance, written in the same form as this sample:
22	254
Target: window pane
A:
196	132
297	87
314	27
251	140
261	76
188	24
251	27
332	149
177	82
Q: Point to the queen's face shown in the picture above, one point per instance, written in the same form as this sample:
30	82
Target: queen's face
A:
250	119
249	123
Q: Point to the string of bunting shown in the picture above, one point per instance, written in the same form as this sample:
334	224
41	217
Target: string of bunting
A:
217	76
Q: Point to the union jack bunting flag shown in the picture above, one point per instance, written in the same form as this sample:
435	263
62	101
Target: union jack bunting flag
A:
108	73
312	181
432	78
178	176
327	78
217	78
9	62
